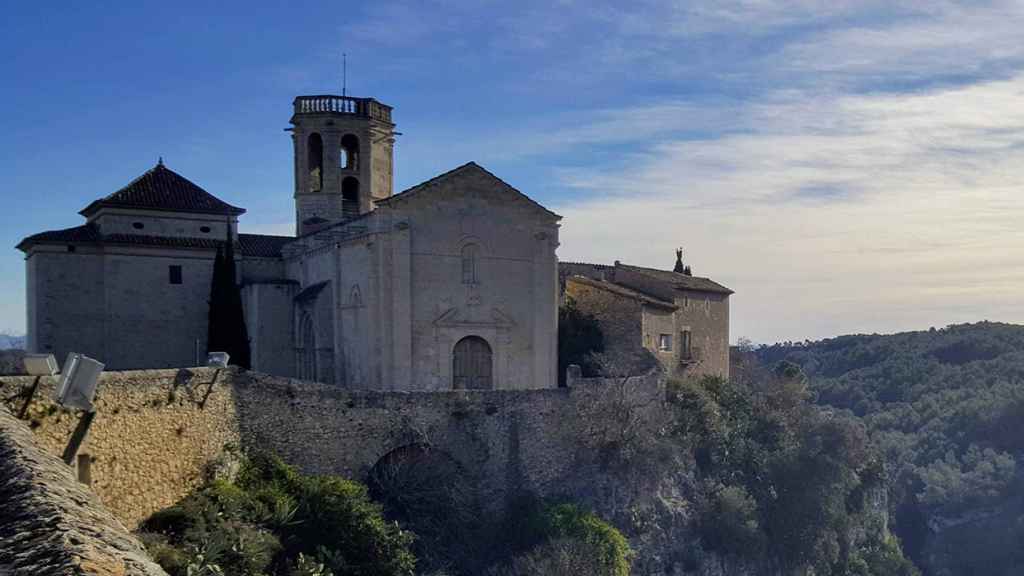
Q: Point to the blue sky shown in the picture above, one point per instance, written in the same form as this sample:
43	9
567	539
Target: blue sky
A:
844	166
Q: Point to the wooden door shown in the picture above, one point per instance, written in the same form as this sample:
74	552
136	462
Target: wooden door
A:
471	364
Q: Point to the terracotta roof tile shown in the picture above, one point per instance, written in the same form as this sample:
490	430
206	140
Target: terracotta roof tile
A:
161	188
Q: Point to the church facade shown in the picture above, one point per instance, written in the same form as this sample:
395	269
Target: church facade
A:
452	283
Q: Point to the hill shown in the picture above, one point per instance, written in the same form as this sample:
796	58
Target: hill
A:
12	342
946	408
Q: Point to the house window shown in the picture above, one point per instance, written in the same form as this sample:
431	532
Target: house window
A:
138	225
665	342
174	274
71	248
204	229
685	349
469	253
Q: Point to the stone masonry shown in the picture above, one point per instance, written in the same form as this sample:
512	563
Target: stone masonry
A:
157	433
52	524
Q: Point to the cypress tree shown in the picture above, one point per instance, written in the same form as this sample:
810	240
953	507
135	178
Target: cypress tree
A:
226	331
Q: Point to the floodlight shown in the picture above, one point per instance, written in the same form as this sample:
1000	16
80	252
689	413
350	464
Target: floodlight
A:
40	365
78	381
217	359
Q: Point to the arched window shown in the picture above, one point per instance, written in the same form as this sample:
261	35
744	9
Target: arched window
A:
469	257
471	364
315	162
306	361
350	197
349	152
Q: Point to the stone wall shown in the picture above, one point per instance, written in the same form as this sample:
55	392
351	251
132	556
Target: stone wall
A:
50	523
157	432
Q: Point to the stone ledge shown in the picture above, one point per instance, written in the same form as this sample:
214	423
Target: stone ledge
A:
52	524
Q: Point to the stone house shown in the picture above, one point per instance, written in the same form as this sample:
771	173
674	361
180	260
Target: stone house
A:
683	320
449	284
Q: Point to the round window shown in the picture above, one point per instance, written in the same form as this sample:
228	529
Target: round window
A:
204	229
138	225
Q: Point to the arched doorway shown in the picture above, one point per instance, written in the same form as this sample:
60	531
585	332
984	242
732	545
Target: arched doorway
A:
472	364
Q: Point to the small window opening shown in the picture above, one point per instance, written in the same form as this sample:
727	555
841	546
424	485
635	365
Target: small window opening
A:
138	225
85	469
469	255
349	159
71	248
350	197
204	229
174	273
315	162
665	342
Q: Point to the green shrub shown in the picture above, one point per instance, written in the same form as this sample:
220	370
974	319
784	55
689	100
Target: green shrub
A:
276	521
730	523
540	524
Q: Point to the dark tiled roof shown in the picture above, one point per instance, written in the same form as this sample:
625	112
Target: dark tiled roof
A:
161	188
262	245
409	192
622	291
677	280
310	292
250	245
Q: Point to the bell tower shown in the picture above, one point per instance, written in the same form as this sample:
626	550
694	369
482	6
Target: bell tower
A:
344	149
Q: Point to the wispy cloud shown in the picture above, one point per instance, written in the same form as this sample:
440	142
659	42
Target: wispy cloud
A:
907	206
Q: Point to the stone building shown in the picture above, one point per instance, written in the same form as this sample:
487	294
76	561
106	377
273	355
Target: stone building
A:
449	284
682	319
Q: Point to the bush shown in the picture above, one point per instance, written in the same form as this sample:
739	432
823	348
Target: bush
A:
536	530
277	521
730	523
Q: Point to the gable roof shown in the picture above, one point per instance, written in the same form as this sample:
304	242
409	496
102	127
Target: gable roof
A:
468	167
677	280
250	245
621	291
161	188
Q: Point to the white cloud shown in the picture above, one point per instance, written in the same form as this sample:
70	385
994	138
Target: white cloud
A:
831	214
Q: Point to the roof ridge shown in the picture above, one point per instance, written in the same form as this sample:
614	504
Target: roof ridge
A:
471	164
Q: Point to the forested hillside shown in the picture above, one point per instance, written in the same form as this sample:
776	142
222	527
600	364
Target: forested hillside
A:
946	408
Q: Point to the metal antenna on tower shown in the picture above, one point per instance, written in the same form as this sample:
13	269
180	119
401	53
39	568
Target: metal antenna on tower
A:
344	74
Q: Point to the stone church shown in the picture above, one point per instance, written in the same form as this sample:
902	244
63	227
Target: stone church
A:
452	283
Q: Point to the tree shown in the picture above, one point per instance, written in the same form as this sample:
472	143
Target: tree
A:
226	331
579	336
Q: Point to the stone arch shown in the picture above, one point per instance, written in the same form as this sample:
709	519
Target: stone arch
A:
349	152
306	365
431	493
350	197
315	161
472	364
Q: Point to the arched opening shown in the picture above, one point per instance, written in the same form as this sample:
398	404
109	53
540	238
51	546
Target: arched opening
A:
306	361
472	365
427	491
350	197
349	159
315	162
469	257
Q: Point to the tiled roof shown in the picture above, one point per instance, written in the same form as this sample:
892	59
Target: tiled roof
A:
422	186
161	188
677	280
250	245
310	292
621	291
262	245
